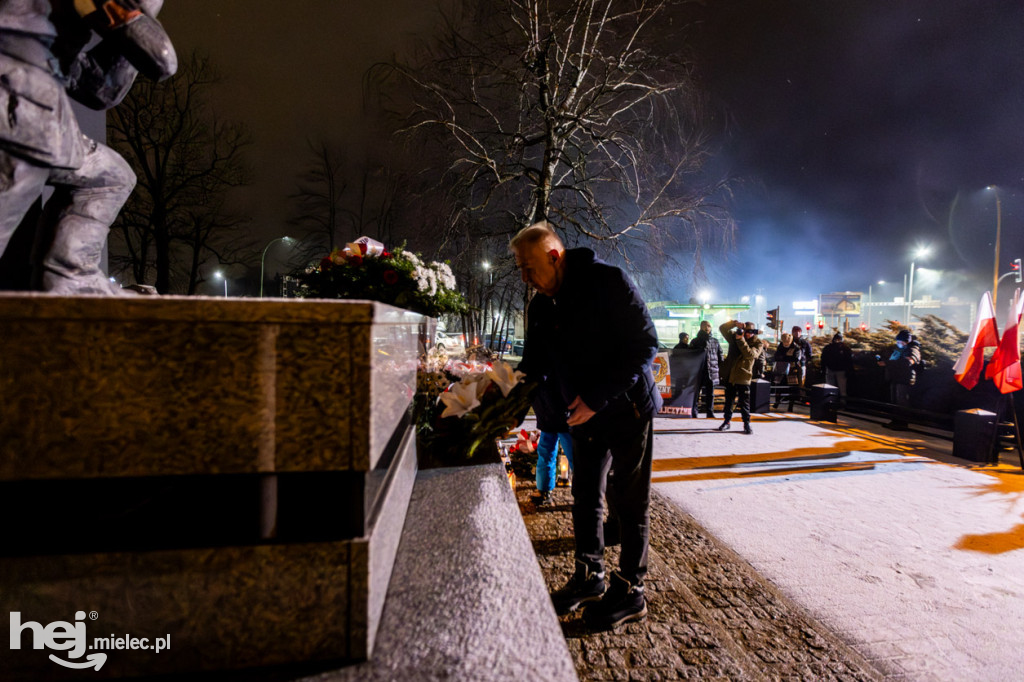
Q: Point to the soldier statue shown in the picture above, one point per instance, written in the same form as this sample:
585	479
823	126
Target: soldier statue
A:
48	54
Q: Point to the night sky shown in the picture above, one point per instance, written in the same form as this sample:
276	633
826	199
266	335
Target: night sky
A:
864	129
856	130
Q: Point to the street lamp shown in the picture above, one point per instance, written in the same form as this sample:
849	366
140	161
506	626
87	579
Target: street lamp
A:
263	260
880	282
220	275
920	253
704	296
999	226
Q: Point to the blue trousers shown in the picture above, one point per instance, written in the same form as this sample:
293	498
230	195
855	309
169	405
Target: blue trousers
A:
547	457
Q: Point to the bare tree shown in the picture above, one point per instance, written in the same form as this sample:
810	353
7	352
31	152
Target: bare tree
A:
578	111
187	160
319	201
331	210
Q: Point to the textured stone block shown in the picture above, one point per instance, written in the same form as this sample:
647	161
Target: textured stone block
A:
175	385
231	474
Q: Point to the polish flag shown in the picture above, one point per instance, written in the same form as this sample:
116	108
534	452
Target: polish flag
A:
983	335
1004	370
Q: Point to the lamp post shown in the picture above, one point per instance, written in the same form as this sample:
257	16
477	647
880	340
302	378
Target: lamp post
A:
220	275
705	296
263	260
871	300
999	226
921	252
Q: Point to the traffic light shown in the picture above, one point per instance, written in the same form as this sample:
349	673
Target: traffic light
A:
821	323
808	326
863	326
1016	270
773	319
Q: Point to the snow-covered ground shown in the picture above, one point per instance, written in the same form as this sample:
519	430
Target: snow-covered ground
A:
913	557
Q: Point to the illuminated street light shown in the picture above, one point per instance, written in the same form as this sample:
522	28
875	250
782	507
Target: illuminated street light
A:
999	229
880	282
220	275
263	260
919	254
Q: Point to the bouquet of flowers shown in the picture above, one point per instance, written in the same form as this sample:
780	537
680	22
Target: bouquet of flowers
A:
484	402
364	269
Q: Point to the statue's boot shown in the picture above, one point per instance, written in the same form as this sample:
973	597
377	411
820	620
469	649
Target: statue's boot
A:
83	207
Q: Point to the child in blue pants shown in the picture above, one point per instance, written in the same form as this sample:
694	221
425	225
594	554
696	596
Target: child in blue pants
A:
547	461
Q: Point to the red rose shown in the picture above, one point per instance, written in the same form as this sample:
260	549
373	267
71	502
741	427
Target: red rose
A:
390	277
326	263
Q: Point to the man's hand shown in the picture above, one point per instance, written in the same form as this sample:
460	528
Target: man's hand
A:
579	413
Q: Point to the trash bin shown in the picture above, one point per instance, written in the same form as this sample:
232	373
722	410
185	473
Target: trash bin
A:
974	435
824	402
760	396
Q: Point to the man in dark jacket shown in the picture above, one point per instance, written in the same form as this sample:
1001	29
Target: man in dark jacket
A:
837	360
901	369
805	359
707	379
611	396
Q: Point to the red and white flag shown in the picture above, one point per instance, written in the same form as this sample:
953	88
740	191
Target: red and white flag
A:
1004	370
983	335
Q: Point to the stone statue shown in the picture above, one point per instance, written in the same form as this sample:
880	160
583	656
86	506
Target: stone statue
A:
48	53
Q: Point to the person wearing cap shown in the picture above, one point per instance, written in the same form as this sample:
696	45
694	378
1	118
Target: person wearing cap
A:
837	360
737	370
786	372
805	356
901	369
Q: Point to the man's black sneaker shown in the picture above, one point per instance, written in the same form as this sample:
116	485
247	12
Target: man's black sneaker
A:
585	585
544	499
622	603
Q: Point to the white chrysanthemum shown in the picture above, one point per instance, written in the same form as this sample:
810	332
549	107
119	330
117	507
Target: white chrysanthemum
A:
445	275
409	256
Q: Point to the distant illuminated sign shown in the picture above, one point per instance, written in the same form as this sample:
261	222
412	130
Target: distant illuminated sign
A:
805	307
842	303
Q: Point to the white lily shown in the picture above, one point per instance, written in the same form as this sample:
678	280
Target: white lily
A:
506	378
460	399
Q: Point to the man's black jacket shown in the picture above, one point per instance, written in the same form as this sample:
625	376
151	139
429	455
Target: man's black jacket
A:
594	339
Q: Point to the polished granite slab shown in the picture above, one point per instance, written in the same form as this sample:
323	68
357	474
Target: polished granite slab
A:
95	386
232	474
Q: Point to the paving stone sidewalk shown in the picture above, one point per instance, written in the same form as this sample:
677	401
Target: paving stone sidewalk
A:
710	615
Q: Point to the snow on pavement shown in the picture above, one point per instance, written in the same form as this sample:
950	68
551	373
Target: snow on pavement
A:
916	562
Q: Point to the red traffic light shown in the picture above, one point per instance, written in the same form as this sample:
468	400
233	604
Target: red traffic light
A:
821	324
863	327
808	326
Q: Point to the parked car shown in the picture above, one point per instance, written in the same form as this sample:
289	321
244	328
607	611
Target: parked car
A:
451	343
498	342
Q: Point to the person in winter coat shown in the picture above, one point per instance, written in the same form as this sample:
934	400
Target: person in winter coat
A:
901	368
611	397
837	360
708	376
737	370
786	372
805	360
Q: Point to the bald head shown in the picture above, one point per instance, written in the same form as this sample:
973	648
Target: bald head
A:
540	257
539	234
